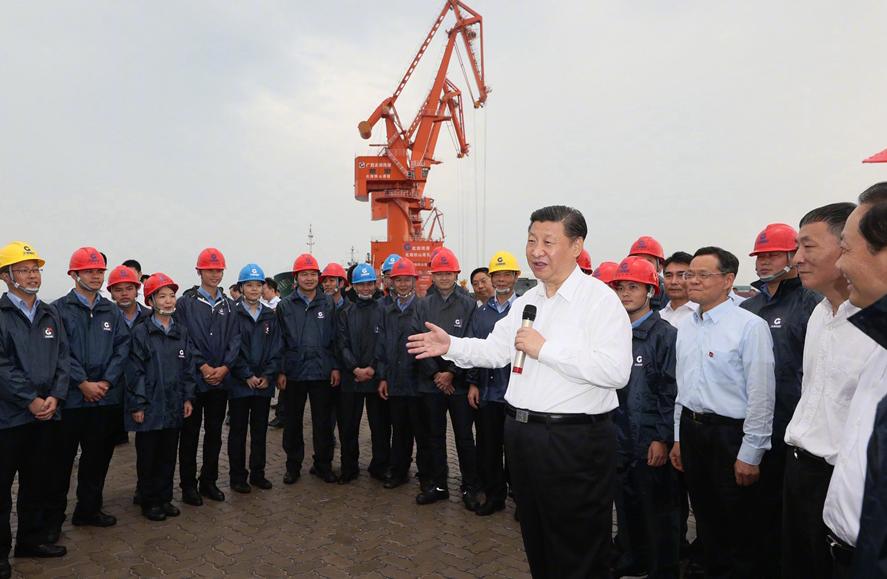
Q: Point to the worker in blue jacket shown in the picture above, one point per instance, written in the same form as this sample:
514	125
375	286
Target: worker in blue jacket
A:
99	342
647	500
397	377
208	315
486	387
443	387
359	330
34	365
309	369
256	372
159	396
123	285
786	306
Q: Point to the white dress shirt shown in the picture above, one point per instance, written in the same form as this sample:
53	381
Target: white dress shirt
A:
675	316
586	356
843	503
834	354
272	303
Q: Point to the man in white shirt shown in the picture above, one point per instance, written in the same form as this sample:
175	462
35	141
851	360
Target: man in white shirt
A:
560	442
679	306
865	267
834	352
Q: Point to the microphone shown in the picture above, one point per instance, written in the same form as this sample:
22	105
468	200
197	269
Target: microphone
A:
529	316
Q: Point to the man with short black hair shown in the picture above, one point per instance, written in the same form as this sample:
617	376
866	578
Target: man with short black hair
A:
482	285
854	504
559	437
679	306
270	293
723	413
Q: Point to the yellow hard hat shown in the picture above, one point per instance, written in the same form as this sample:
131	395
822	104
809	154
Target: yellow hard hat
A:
17	252
503	261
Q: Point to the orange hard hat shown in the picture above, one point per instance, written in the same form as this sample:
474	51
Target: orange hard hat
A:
776	237
605	271
86	258
646	245
445	261
334	270
305	262
635	268
157	281
210	258
404	267
584	261
123	274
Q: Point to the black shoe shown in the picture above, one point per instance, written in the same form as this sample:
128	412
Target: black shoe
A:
379	475
470	500
241	487
432	495
5	569
98	519
290	477
489	507
154	513
170	510
40	551
276	422
346	478
190	496
212	492
326	476
392	482
261	483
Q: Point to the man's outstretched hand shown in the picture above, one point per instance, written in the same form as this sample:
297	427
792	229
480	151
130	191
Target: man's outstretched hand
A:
435	342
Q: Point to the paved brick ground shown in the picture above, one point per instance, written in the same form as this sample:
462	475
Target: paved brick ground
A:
309	529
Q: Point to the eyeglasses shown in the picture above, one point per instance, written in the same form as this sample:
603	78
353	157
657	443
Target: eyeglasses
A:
30	271
702	275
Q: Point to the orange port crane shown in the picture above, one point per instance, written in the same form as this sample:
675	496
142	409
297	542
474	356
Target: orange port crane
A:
394	180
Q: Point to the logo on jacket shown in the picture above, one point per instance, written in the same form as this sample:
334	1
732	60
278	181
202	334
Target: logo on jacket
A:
457	323
777	323
106	326
376	330
267	328
639	361
319	315
182	354
49	333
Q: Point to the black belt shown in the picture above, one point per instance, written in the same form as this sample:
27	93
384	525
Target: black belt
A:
529	416
800	453
711	418
841	551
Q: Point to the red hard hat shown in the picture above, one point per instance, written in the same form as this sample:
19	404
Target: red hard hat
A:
605	271
306	262
634	268
445	261
584	261
86	258
646	245
157	281
123	274
210	258
404	267
776	237
334	270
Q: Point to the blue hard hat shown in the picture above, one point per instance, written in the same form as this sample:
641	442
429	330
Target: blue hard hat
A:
251	272
363	272
389	262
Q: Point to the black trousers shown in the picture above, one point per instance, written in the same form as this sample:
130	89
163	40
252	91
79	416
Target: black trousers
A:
564	478
648	517
491	467
320	394
247	413
769	505
93	431
156	465
435	408
350	414
725	512
805	553
23	450
406	425
209	410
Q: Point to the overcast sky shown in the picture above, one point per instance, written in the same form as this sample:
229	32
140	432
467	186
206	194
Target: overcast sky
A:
154	129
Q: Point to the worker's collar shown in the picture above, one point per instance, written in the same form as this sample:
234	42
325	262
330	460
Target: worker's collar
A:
567	290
